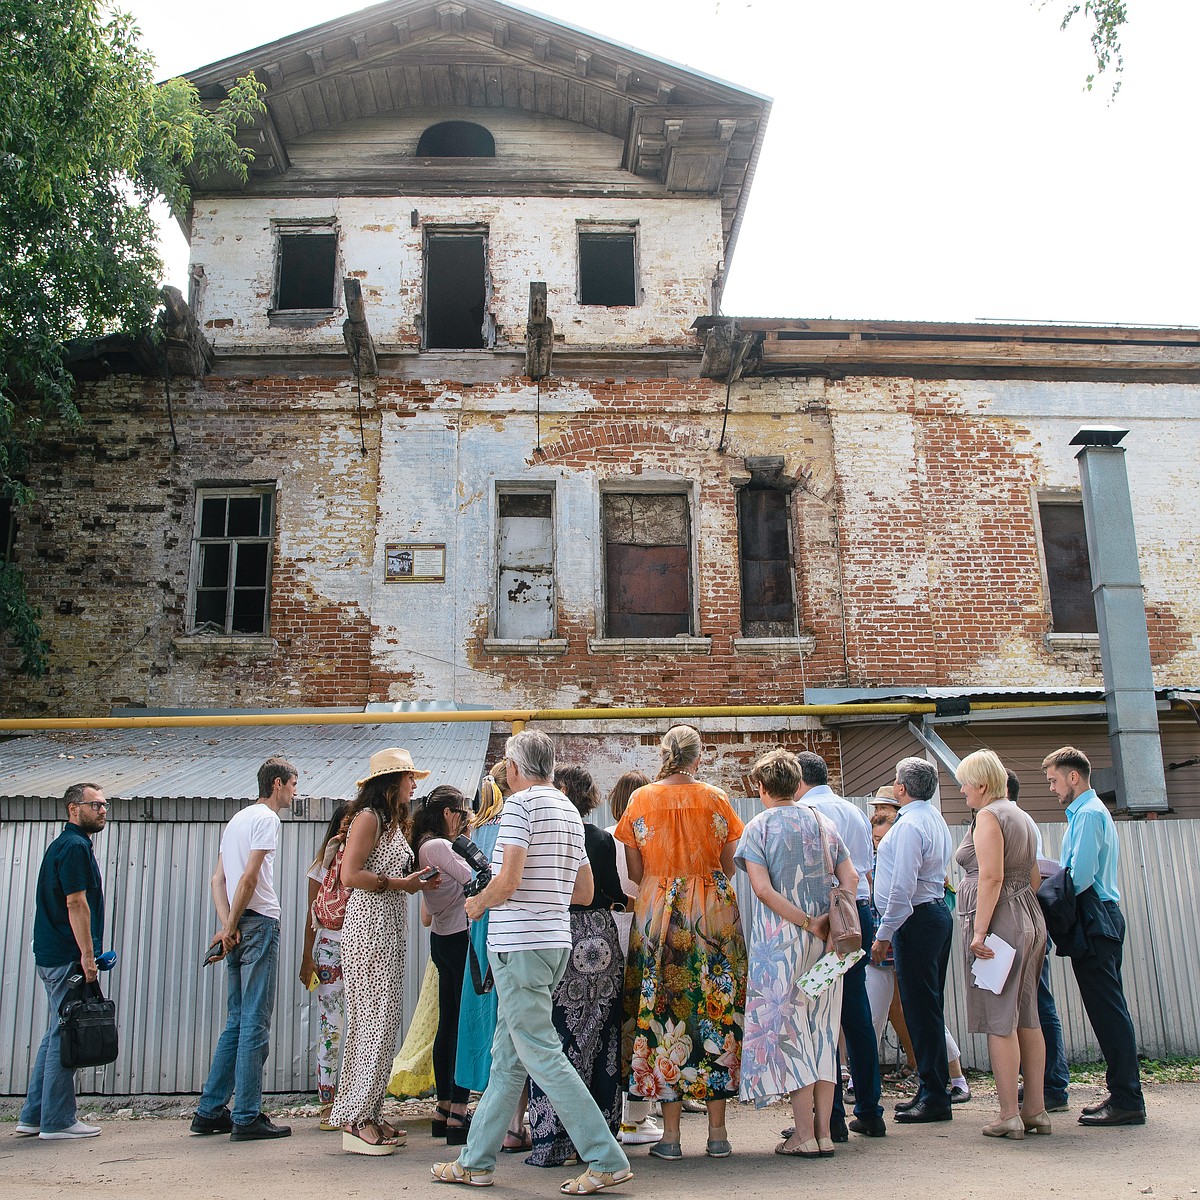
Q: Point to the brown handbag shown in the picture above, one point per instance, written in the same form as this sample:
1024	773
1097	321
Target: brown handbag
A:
845	930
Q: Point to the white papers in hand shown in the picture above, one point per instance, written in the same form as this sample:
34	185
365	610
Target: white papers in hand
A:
990	973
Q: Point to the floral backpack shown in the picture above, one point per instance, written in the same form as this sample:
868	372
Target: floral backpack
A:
329	908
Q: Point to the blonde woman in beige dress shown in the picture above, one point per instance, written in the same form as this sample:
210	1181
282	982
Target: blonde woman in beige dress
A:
999	858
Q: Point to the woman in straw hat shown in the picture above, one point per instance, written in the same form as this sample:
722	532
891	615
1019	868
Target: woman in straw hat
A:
378	865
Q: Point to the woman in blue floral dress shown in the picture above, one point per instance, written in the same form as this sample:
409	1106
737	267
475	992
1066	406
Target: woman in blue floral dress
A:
790	1043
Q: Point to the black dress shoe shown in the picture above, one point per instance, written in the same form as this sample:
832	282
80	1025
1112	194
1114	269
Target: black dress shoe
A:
904	1105
1089	1109
838	1131
221	1122
260	1128
1110	1114
869	1126
923	1112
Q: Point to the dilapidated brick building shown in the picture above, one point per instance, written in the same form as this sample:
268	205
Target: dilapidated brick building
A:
466	428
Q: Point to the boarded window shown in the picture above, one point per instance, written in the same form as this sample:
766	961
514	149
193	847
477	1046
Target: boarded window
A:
768	604
1068	569
525	591
307	268
607	269
231	589
455	292
648	584
456	139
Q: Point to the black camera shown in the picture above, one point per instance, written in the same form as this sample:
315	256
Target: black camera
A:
476	860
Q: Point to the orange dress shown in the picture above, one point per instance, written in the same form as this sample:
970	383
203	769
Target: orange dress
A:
685	980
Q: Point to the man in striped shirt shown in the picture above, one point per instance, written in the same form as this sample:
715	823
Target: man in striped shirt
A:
539	870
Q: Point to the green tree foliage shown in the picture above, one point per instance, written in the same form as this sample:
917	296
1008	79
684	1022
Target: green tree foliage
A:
87	142
1107	18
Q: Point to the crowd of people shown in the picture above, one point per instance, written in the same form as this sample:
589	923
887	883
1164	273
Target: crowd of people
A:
591	979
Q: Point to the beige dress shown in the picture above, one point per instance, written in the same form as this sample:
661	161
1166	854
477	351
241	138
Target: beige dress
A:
1017	919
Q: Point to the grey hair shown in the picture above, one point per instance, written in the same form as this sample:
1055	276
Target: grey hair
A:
532	753
918	778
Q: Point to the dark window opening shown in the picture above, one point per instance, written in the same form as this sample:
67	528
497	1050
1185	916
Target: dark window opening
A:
648	584
307	265
768	606
455	293
606	269
8	529
233	563
1068	568
456	139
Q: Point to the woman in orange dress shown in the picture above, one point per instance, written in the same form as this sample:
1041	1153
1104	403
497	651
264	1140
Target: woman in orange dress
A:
685	982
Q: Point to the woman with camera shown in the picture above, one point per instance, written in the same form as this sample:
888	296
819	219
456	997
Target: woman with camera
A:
441	817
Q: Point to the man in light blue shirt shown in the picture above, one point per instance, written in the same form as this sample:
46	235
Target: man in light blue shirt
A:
1089	852
861	1048
910	887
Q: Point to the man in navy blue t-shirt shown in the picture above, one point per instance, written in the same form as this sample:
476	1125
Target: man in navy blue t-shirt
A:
68	928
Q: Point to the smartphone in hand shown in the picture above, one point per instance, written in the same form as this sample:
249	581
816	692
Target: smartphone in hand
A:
215	954
429	874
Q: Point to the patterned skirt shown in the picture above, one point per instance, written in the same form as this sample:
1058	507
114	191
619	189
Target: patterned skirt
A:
587	1015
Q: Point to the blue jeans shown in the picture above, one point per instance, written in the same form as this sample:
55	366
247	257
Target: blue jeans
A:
50	1100
526	1043
251	968
862	1047
1058	1077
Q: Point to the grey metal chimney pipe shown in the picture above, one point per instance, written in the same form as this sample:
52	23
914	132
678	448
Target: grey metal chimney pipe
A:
1121	620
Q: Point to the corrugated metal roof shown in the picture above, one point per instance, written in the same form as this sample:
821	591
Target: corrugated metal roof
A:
222	763
902	692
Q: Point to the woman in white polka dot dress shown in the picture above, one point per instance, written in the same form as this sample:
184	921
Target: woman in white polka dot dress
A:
378	865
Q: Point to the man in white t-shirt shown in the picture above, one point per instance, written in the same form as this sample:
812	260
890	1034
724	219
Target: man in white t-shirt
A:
243	891
540	869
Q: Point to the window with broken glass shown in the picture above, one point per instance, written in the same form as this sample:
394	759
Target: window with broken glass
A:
525	606
231	561
647	564
1068	568
764	542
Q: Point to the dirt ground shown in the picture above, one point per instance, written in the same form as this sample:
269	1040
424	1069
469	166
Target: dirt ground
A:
155	1158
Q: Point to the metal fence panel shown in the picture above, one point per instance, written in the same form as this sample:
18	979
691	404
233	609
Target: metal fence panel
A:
156	878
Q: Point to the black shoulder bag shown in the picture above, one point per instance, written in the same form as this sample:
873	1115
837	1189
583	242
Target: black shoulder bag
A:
87	1024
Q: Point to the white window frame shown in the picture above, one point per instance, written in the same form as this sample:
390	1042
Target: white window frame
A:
231	491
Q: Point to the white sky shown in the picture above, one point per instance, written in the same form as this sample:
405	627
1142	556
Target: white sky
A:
925	159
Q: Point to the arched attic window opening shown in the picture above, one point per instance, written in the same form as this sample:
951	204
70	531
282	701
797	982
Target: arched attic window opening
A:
456	139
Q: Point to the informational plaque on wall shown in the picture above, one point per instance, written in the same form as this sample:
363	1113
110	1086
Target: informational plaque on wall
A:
415	562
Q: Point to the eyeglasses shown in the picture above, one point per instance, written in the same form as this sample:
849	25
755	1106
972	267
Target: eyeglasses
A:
98	805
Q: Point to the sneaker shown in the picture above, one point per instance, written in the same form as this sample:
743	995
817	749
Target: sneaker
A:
694	1106
219	1122
78	1130
642	1133
24	1130
258	1130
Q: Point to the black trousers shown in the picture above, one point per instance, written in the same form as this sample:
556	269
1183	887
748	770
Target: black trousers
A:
922	949
449	954
1098	974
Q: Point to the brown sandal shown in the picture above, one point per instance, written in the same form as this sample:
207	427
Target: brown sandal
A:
521	1137
367	1138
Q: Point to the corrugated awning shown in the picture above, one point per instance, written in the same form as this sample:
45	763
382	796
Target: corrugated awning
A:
222	763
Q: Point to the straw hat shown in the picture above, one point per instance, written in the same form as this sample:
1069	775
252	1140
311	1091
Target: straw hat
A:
884	797
391	762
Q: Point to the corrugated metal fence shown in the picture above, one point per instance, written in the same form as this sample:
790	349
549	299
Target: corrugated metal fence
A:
171	1011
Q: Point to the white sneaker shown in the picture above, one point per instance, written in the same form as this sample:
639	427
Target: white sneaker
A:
78	1130
24	1130
641	1134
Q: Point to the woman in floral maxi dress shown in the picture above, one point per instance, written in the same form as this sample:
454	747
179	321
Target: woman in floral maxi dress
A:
790	1046
686	975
